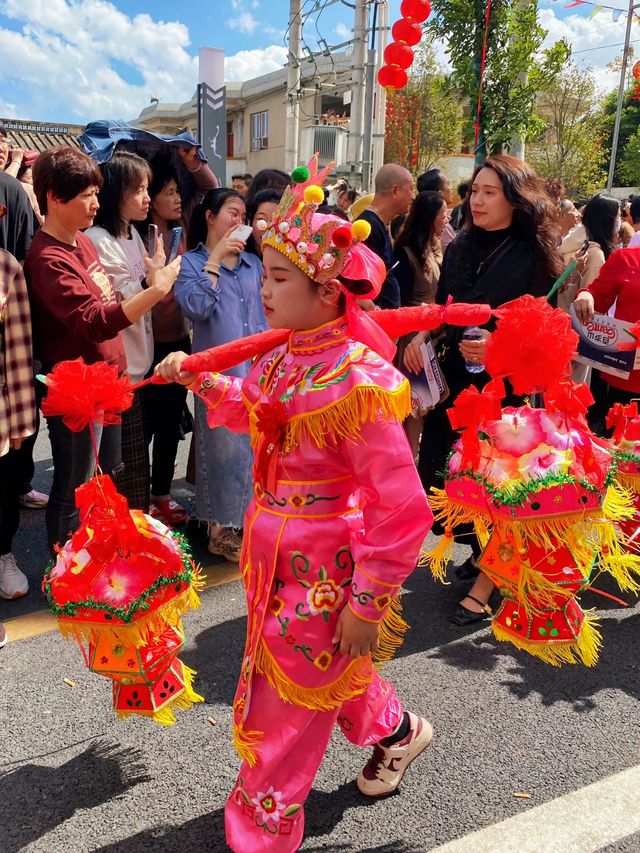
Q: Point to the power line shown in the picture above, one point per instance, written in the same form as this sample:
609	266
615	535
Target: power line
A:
603	46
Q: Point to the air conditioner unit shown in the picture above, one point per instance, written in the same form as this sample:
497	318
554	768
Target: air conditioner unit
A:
329	140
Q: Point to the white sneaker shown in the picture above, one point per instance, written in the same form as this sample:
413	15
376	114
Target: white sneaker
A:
384	771
13	582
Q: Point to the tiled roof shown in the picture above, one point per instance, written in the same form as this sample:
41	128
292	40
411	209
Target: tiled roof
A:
38	136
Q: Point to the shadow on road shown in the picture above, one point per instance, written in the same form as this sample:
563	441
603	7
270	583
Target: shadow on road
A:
204	833
34	799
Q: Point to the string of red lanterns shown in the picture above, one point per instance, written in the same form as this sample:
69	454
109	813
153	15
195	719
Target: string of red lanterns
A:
407	32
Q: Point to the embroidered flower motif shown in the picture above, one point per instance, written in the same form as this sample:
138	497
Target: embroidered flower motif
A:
324	596
382	601
276	605
131	663
239	706
297	501
290	639
269	805
323	661
104	660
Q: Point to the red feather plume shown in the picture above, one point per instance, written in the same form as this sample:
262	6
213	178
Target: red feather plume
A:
532	346
86	393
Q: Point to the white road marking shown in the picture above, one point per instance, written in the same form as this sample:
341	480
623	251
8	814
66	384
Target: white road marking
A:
581	822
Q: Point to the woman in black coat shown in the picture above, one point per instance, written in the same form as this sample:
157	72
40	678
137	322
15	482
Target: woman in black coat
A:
507	249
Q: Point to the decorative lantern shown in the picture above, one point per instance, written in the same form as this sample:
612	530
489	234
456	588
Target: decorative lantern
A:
625	423
416	10
407	31
121	583
538	488
398	54
392	77
120	586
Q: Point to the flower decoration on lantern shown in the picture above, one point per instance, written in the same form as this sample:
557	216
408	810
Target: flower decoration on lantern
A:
120	584
539	488
407	32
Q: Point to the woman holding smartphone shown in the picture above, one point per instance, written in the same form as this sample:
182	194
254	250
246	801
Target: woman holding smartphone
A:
124	199
219	290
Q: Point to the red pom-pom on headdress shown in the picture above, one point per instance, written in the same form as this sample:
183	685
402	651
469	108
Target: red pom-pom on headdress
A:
83	394
532	346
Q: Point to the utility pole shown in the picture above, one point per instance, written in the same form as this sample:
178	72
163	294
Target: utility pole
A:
370	82
623	78
293	86
356	124
380	118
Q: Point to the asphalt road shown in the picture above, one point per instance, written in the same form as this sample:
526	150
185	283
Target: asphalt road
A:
73	778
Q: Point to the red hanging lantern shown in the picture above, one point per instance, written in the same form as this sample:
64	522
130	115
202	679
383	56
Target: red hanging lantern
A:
398	54
386	77
392	77
407	31
418	10
636	70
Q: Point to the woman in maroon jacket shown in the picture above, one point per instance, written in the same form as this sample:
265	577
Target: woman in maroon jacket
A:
75	315
618	282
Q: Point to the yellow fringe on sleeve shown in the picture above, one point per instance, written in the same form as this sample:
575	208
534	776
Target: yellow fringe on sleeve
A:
345	417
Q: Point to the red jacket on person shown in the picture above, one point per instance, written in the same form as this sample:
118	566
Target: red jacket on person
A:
619	282
73	308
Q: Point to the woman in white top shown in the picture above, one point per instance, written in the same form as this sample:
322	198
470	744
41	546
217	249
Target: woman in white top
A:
124	198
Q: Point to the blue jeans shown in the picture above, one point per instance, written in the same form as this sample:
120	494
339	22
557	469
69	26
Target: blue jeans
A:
74	464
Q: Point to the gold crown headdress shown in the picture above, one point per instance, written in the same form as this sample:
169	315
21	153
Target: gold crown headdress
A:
319	245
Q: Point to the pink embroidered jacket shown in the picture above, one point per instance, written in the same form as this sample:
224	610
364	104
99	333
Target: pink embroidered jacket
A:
338	515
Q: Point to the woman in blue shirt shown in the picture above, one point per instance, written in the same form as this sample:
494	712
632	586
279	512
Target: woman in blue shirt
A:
219	290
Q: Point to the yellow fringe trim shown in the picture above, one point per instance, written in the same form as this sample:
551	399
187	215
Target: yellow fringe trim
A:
139	632
631	482
437	559
618	503
345	417
184	700
392	631
585	648
353	681
247	744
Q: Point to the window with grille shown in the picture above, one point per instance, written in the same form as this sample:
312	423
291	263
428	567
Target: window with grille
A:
259	130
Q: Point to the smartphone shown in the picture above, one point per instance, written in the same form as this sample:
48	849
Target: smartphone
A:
241	233
176	234
583	248
153	240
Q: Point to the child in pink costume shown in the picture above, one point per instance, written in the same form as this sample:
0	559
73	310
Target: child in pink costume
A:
336	525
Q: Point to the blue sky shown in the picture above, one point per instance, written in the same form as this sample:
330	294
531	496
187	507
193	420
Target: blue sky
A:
78	60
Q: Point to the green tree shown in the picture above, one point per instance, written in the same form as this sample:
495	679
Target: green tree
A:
629	124
629	164
516	70
571	145
425	118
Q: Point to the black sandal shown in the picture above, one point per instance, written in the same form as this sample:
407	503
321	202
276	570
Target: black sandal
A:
467	571
463	616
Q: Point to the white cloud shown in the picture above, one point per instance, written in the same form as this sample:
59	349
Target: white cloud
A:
342	31
65	52
252	63
244	22
594	41
8	110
